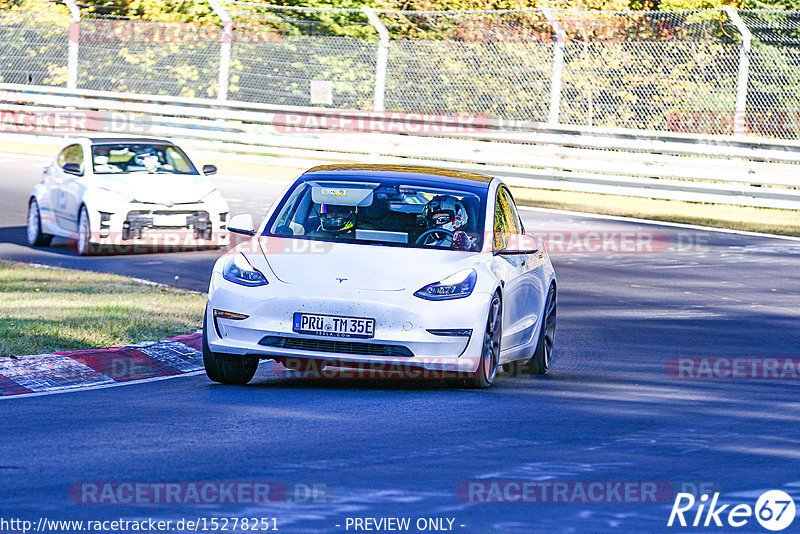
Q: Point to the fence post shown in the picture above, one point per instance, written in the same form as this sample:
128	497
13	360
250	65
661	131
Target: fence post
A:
74	34
740	117
224	48
381	59
558	65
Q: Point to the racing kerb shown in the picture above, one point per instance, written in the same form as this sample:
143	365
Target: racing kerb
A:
733	170
66	371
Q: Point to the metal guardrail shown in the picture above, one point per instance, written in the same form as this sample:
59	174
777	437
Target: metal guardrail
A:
730	170
719	71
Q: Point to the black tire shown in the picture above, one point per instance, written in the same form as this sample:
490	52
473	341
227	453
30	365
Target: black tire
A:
543	355
34	228
228	368
490	355
83	244
515	368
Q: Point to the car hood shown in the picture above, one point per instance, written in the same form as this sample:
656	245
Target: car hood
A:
158	188
371	267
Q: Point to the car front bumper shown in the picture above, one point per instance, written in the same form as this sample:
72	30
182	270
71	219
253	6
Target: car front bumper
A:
401	321
180	225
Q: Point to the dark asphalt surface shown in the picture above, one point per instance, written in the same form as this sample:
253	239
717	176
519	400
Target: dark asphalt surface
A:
609	410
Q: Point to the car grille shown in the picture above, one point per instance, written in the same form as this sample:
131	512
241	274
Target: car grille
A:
134	214
336	347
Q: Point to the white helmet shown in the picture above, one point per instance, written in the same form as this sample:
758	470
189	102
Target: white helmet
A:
445	212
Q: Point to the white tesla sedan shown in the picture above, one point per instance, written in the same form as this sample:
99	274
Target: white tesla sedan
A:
119	194
384	267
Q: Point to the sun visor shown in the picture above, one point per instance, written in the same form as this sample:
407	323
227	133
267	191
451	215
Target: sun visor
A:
342	195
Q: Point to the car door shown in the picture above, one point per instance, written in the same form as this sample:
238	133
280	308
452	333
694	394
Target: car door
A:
531	283
513	268
67	188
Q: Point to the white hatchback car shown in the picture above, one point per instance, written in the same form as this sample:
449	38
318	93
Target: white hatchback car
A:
118	194
388	267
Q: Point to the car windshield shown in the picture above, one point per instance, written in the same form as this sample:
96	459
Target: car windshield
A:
145	158
405	215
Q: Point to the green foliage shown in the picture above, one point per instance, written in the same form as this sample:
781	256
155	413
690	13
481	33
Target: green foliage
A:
655	69
36	55
772	4
48	310
155	10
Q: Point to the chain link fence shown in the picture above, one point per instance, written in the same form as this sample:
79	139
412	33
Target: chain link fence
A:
33	46
277	52
712	71
497	64
773	91
147	57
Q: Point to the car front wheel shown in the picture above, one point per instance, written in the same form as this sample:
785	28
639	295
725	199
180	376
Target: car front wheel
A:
490	355
228	368
34	230
84	244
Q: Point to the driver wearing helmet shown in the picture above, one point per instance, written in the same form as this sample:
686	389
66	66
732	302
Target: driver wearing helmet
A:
148	160
447	213
336	220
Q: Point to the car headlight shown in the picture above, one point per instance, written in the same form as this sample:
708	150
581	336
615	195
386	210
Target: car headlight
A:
457	286
214	197
239	271
110	198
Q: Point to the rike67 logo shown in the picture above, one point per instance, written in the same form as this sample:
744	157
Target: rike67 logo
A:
774	510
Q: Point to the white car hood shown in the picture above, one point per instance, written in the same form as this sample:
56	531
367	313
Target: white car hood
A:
371	267
158	188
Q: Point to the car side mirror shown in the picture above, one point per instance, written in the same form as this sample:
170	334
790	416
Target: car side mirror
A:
209	169
520	244
72	168
284	231
242	224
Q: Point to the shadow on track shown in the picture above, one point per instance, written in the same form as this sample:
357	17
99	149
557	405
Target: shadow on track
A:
13	234
17	235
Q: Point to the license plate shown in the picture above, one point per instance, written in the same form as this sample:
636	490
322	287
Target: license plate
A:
169	220
333	325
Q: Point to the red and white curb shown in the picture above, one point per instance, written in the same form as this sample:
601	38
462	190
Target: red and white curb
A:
62	371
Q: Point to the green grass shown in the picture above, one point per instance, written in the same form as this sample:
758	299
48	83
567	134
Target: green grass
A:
49	310
766	220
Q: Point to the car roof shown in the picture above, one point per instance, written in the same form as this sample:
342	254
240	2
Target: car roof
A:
139	141
434	176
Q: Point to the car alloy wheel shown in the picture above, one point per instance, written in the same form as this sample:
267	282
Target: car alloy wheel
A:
34	229
84	233
490	353
543	355
491	341
550	327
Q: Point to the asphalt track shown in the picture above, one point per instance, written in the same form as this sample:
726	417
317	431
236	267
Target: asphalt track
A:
608	411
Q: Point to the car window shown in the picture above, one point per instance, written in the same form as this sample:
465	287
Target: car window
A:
381	213
506	219
71	154
519	225
148	158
